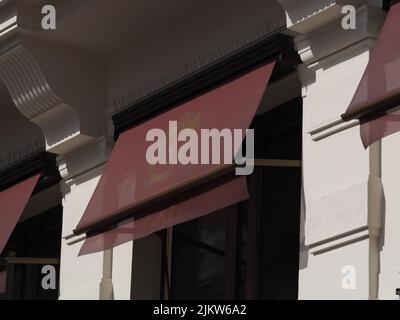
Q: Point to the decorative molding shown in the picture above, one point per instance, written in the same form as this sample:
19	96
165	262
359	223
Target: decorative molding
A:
307	16
277	47
339	241
344	54
35	99
84	159
38	162
28	16
190	68
26	83
32	79
21	153
8	26
8	36
314	47
9	23
40	76
318	53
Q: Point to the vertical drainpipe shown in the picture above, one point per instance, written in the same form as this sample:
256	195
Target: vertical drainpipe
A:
106	285
375	213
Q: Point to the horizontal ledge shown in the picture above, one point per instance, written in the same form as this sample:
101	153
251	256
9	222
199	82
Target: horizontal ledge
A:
75	239
339	240
326	126
277	163
31	261
331	128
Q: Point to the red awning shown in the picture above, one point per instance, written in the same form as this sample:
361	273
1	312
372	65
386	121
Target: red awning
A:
12	203
377	98
3	281
214	199
157	193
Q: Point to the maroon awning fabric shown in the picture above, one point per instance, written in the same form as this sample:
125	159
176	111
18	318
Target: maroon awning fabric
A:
377	98
128	180
12	203
214	199
3	281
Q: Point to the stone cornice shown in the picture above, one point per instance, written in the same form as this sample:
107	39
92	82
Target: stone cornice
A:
26	82
319	45
309	15
38	162
21	153
41	80
84	161
330	45
33	72
60	81
278	47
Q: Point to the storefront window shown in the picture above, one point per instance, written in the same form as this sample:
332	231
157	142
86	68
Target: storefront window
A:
250	250
199	254
246	251
34	244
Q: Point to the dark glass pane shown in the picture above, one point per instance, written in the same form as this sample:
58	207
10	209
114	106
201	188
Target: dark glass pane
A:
243	251
279	136
280	233
38	237
198	266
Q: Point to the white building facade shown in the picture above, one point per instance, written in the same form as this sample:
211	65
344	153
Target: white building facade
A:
68	93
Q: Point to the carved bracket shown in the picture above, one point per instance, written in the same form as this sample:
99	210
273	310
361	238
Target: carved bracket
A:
62	90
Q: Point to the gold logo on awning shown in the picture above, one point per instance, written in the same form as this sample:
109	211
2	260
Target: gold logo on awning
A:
161	174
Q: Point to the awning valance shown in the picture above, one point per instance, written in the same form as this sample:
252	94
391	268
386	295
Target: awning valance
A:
134	198
13	201
377	98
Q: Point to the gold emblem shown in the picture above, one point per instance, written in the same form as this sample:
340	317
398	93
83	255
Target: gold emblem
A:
190	120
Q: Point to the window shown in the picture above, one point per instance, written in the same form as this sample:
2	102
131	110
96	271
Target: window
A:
34	243
205	260
251	250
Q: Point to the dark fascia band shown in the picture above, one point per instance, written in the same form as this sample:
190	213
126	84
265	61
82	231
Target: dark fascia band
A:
40	162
